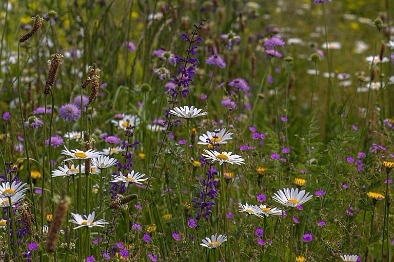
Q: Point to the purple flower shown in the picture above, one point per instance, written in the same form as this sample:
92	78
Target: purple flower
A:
55	141
112	139
106	256
33	246
176	236
152	258
274	53
97	240
350	159
345	186
300	207
273	42
361	155
119	245
182	141
6	116
296	220
259	232
239	84
136	227
146	237
124	253
286	150
260	242
41	110
130	45
275	156
203	96
252	129
34	122
261	198
230	104
77	101
307	237
320	192
69	112
283	118
321	223
90	259
229	215
216	60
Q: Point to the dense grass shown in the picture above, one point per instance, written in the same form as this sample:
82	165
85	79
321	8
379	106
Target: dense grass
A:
318	118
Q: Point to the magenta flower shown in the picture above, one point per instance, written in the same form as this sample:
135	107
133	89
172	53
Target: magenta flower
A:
176	236
216	60
239	84
55	141
307	237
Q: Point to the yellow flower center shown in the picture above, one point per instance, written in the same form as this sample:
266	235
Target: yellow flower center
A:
77	136
131	179
125	124
266	209
216	139
293	201
222	157
3	222
9	191
85	222
214	244
210	146
73	169
80	154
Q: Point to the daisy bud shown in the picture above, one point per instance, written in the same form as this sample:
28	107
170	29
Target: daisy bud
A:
36	26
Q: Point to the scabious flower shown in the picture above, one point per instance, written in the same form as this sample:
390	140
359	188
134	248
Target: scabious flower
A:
239	84
259	232
191	223
33	246
216	60
214	242
261	198
146	238
86	221
176	236
152	257
187	112
162	72
291	197
6	116
81	100
274	42
320	192
69	112
41	110
321	223
55	141
228	103
112	139
34	122
307	237
224	157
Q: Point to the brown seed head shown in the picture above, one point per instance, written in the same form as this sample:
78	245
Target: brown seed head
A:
36	26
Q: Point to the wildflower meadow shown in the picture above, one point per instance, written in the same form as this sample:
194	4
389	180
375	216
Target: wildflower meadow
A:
194	130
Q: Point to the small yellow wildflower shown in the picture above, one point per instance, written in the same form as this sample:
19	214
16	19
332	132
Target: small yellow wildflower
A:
300	259
299	181
49	217
196	163
228	175
375	196
260	170
35	174
152	228
142	155
388	164
187	205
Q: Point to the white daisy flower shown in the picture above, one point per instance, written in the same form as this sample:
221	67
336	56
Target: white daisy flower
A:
376	59
291	197
65	171
8	189
224	157
270	211
213	242
86	221
332	45
104	162
217	137
187	112
156	127
12	200
112	150
127	121
132	177
250	209
93	170
79	154
352	258
390	44
73	135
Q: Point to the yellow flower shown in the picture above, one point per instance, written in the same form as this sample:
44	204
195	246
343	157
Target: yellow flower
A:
300	259
49	217
375	196
228	175
187	205
260	170
299	181
35	174
26	20
141	155
152	228
388	164
167	216
196	163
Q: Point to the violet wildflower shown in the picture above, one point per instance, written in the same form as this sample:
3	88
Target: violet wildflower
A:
146	238
216	60
34	122
152	257
274	53
176	236
308	237
321	1
136	227
6	116
259	232
55	141
286	150
33	246
275	156
261	198
230	104
239	84
191	223
321	223
261	242
230	215
81	100
296	220
320	192
274	42
90	259
112	139
41	110
124	253
283	119
69	112
106	256
350	159
129	45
